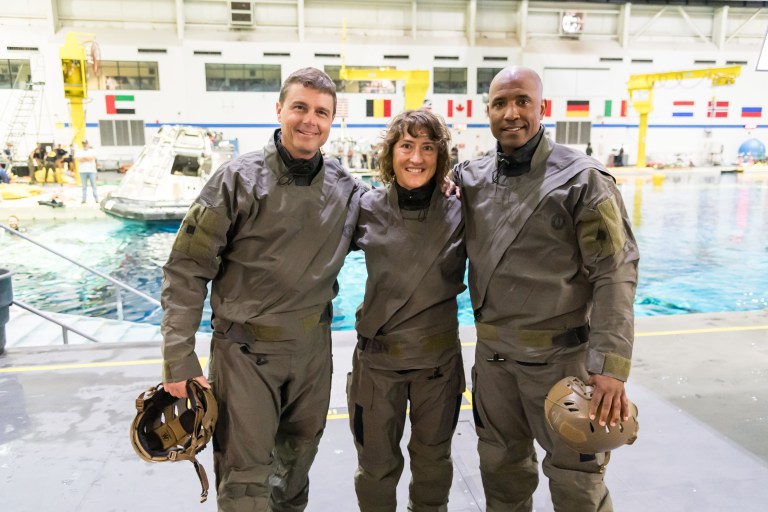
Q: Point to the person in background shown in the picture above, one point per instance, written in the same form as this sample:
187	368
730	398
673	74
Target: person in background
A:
86	167
454	160
408	349
552	277
36	161
5	177
61	157
269	231
589	149
50	165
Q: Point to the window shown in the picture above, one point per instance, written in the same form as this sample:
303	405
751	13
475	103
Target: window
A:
450	80
243	77
121	133
366	86
573	132
123	75
14	74
484	77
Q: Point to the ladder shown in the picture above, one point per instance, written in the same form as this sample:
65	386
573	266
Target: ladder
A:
21	115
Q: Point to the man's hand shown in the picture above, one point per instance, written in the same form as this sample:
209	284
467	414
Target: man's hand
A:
449	188
179	389
610	392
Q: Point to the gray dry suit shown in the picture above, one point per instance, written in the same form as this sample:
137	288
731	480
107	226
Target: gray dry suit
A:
552	276
408	349
272	250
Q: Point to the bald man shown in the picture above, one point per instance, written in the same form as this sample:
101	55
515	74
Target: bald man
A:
552	277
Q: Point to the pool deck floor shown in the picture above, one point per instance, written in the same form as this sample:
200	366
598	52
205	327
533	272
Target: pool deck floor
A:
700	382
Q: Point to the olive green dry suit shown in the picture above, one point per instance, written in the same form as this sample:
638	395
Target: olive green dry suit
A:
408	349
552	277
271	243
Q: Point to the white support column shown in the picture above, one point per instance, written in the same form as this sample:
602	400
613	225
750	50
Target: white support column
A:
522	23
471	22
180	21
625	14
53	15
300	19
719	27
414	12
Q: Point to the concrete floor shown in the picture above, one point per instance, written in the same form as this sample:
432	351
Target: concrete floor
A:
699	382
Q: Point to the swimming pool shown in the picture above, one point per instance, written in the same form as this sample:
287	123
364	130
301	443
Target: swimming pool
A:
703	243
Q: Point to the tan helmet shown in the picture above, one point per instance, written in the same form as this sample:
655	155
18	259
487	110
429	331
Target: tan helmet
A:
567	410
169	428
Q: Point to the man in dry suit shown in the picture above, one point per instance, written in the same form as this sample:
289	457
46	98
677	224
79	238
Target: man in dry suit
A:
270	230
552	277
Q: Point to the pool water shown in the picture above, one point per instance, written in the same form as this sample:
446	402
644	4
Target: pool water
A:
703	244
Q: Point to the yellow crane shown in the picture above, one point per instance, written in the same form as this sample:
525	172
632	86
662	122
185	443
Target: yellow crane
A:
641	93
73	70
416	81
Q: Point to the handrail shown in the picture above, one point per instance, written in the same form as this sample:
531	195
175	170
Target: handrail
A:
111	279
64	327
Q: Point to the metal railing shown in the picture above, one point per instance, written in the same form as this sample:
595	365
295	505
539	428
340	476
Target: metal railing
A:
64	327
119	285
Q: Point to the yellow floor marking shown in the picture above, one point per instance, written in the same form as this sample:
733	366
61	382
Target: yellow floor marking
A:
701	331
204	360
76	366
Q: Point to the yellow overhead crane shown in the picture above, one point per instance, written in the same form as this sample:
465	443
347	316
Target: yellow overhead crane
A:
73	70
641	93
416	82
415	87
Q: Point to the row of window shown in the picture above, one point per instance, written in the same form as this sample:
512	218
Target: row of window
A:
131	132
144	76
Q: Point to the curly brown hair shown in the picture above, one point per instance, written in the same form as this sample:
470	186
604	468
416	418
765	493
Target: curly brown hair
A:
415	123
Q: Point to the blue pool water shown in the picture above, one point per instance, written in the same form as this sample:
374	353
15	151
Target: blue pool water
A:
703	243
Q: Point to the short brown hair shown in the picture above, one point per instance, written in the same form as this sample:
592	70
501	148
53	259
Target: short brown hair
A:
414	122
312	78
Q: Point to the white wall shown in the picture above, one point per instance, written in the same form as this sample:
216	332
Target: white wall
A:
571	70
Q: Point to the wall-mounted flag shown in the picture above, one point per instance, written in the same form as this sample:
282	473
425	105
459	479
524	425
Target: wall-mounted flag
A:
548	108
459	108
751	111
682	108
615	108
577	108
378	108
717	109
118	104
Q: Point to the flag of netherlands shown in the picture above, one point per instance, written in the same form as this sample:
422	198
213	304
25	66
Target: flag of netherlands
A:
717	109
378	108
615	109
751	111
682	109
577	108
116	104
459	108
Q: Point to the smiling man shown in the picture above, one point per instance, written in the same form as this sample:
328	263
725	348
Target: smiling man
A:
552	277
270	231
